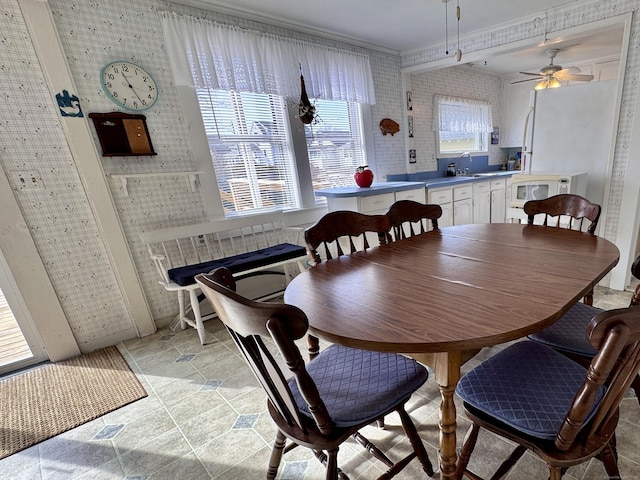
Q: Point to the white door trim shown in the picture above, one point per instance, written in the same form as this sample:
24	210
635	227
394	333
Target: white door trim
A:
30	278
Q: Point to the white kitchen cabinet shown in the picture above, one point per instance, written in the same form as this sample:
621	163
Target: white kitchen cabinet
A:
498	201
482	202
444	198
463	205
515	101
374	204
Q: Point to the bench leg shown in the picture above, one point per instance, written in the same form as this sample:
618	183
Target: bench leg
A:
182	313
195	308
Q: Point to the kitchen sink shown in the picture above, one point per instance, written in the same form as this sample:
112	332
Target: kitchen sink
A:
475	175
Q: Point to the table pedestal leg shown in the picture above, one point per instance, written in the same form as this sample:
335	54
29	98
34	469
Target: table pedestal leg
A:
447	372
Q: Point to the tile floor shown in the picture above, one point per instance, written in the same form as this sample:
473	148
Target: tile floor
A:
205	418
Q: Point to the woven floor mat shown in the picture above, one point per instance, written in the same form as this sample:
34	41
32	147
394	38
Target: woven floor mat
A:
50	399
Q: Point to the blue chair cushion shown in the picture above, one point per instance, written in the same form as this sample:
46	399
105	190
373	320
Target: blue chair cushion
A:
527	386
238	263
569	333
358	385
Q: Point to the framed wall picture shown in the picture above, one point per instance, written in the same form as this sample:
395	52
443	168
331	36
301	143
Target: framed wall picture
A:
409	102
410	125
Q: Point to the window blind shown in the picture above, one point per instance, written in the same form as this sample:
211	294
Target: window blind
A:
335	144
250	149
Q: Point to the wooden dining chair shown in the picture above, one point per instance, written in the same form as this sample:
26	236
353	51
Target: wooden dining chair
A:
568	211
409	218
341	231
548	404
566	207
330	398
568	335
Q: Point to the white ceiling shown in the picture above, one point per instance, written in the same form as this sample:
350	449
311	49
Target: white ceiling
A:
405	25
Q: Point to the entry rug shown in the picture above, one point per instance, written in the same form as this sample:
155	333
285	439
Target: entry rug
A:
50	399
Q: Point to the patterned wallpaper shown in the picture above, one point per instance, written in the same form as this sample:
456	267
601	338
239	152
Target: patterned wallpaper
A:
56	209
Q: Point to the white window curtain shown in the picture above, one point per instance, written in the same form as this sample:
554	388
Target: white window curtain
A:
462	115
206	54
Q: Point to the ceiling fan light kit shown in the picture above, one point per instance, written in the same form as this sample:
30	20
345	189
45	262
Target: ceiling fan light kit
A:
552	75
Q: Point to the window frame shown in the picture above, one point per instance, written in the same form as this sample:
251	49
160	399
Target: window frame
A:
481	140
199	147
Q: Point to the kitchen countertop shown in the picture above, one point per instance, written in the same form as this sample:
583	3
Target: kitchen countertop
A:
388	187
375	189
450	181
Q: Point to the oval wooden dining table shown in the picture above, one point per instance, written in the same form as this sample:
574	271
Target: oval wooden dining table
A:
442	295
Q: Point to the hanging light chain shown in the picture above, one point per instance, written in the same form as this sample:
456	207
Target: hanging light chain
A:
458	51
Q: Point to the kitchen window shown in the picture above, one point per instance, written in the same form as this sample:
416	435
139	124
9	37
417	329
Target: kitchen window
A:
462	125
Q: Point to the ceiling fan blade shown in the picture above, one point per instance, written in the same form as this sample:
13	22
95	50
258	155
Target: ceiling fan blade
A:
527	80
564	71
528	73
575	77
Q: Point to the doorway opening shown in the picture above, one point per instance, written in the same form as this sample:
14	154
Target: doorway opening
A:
13	346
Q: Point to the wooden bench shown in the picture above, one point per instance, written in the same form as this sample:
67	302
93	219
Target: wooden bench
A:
245	246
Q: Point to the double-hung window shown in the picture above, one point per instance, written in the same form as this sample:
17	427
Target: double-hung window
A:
335	144
248	136
462	125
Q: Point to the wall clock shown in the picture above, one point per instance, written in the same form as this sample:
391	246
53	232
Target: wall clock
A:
128	85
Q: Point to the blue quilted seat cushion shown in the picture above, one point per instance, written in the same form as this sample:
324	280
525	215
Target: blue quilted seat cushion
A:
358	385
527	386
569	333
238	263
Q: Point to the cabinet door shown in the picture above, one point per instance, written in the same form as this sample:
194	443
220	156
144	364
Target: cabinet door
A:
463	212
516	98
498	201
446	220
498	208
482	202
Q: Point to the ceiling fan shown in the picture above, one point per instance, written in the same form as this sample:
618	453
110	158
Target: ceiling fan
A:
551	75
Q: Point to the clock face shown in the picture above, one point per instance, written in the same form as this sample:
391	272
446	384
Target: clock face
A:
129	86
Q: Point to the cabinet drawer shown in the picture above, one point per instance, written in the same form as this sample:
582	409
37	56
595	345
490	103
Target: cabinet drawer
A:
462	193
417	195
481	187
376	203
440	196
497	184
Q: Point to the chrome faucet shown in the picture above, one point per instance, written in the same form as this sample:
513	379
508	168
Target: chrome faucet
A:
466	170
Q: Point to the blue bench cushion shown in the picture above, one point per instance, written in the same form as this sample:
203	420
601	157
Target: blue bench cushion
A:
359	385
527	386
238	263
569	333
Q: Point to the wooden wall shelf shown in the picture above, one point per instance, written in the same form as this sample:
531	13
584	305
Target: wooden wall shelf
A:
123	177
